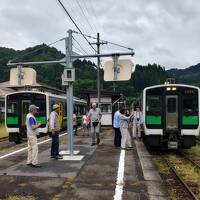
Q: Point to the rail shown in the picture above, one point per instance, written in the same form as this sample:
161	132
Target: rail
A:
190	192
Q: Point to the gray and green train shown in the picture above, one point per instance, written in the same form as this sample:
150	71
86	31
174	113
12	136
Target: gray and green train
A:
17	105
171	115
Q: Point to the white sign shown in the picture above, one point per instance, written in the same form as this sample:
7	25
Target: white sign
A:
121	72
68	76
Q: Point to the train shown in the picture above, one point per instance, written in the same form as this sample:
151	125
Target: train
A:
171	115
17	107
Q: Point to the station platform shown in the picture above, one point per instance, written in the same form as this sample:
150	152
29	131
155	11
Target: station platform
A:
98	175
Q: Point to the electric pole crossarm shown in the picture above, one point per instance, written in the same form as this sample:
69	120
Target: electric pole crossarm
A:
104	55
37	63
72	56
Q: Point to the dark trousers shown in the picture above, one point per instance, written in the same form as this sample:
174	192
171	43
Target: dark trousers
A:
75	129
117	139
55	144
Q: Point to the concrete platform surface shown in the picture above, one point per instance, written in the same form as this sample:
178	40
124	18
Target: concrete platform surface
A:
155	187
94	177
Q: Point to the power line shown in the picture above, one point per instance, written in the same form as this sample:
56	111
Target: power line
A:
72	6
94	14
79	50
79	45
84	3
75	24
79	5
34	51
119	45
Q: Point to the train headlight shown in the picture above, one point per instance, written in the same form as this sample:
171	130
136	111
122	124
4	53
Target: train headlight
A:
174	89
168	88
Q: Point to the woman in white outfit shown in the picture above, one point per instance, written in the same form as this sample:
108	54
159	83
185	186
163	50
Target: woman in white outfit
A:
137	122
124	125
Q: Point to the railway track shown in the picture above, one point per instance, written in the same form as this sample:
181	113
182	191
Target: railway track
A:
172	167
196	164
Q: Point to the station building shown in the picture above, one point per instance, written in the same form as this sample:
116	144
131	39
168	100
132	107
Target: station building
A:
110	101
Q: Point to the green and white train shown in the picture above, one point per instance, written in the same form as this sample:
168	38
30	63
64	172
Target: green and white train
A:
171	115
17	105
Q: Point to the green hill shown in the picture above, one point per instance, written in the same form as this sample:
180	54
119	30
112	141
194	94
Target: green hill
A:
86	74
190	75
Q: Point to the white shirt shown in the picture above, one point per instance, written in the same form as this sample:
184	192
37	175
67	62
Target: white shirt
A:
54	122
31	121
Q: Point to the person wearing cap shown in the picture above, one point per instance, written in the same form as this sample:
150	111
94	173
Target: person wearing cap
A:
137	122
55	129
32	132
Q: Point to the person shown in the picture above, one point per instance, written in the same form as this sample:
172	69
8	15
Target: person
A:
75	124
32	132
55	128
137	122
85	123
94	116
116	125
124	128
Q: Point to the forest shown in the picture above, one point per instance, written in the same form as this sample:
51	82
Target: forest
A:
86	72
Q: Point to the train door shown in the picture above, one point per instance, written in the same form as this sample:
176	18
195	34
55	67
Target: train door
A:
24	110
171	112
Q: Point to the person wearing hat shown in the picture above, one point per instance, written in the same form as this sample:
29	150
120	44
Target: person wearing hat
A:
137	122
32	132
55	129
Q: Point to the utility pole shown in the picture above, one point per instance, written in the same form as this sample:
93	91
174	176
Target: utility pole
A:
68	63
69	92
19	74
98	43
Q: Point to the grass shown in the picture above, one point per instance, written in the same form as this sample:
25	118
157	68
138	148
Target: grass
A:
3	132
194	151
188	172
20	198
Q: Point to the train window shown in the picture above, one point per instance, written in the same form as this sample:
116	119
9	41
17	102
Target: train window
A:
154	103
105	108
42	107
190	104
12	108
171	105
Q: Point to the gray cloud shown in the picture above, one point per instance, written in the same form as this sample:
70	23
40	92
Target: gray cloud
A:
165	32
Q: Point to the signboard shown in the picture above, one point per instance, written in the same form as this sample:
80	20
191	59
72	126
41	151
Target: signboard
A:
68	76
121	71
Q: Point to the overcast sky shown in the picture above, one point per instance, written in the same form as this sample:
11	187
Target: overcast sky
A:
159	31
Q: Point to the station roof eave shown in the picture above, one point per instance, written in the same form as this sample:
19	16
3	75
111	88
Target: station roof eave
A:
5	86
104	93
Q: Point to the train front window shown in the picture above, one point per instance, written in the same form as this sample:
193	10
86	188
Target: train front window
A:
12	108
154	104
42	107
171	105
190	104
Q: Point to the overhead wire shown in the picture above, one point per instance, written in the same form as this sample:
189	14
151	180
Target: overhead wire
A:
80	45
75	24
93	12
113	43
36	50
86	8
82	11
72	6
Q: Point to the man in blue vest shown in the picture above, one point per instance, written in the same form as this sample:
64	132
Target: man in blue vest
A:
32	132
